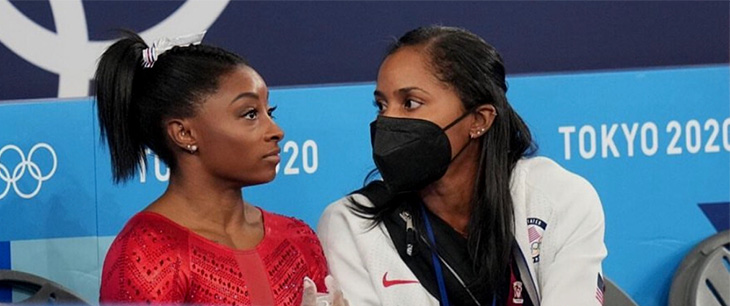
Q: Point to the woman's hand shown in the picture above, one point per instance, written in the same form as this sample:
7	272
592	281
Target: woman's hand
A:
334	296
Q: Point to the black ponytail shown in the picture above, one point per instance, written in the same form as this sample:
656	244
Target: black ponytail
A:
115	77
133	102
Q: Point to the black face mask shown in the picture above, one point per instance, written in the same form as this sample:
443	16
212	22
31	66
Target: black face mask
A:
409	153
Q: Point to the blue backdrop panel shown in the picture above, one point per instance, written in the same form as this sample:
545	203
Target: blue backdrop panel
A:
116	203
47	170
655	144
336	120
650	198
72	262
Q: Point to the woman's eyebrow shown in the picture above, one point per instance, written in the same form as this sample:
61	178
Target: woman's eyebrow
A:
246	95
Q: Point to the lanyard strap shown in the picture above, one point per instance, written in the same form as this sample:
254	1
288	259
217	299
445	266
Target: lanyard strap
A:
437	263
434	258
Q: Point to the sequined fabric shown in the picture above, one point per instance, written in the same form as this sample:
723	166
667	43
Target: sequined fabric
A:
154	260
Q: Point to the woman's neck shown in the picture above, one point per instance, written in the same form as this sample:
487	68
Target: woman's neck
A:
200	202
450	197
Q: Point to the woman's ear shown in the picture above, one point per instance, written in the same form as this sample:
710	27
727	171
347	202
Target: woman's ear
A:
484	117
181	133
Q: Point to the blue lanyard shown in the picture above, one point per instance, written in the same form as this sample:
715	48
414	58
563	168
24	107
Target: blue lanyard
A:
434	258
437	264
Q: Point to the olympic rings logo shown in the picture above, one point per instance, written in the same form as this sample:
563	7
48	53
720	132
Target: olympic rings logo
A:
26	164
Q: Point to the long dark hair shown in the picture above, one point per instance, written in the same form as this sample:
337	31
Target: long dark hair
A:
476	71
134	101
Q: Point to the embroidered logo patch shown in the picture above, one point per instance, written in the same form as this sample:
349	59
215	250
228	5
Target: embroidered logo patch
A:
535	229
392	282
517	289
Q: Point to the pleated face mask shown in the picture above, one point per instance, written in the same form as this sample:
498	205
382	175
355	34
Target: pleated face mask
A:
410	153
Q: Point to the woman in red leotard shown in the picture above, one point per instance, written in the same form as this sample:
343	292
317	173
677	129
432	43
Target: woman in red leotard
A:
204	111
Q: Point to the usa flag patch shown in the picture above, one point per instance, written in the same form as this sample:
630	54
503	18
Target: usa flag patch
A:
535	230
600	289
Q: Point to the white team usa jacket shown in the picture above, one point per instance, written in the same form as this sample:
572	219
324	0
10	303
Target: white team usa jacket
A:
559	227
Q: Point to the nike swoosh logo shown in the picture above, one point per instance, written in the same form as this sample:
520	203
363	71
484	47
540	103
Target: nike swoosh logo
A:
392	282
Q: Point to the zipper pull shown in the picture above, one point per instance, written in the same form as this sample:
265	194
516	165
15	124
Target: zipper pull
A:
410	232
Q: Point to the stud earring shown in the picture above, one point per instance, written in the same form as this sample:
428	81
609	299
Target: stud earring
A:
192	148
478	133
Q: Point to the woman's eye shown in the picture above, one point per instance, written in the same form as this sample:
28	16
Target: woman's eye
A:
380	105
252	114
271	112
412	104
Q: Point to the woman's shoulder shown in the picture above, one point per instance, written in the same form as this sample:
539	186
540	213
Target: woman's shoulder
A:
152	224
280	228
371	195
343	205
284	226
345	213
545	173
147	240
544	178
151	230
150	249
351	215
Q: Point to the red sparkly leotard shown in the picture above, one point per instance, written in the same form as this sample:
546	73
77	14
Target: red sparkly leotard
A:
154	260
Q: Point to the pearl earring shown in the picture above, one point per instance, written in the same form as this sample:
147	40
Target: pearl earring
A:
192	148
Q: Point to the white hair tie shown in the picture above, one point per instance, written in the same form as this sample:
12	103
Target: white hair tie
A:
150	55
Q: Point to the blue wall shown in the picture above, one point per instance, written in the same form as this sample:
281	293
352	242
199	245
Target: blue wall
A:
633	96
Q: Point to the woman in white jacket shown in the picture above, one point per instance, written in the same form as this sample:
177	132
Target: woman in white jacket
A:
462	215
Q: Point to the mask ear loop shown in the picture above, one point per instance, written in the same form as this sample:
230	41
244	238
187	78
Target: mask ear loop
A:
457	120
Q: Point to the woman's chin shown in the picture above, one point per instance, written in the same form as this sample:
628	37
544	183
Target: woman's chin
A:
262	179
